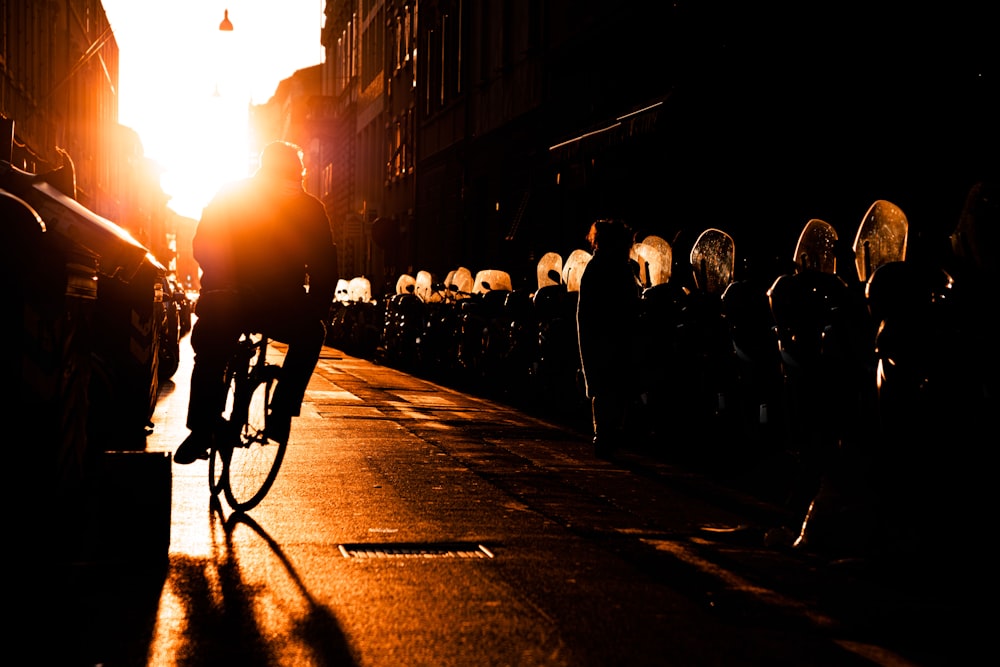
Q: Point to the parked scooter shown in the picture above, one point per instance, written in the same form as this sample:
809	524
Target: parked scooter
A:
403	326
754	416
826	342
355	321
704	362
934	355
440	341
660	316
483	340
556	363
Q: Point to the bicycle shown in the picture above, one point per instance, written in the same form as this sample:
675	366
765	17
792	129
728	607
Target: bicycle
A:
243	462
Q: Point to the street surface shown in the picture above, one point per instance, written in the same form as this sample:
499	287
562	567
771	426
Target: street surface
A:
412	524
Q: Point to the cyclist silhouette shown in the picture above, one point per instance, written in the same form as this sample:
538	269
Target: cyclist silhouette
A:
269	265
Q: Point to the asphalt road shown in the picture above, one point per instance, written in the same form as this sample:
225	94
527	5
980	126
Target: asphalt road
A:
412	524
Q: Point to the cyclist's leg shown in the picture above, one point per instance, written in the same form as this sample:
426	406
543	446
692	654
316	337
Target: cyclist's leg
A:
213	340
305	342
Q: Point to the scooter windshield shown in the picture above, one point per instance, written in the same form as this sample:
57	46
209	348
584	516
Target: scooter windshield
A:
881	238
817	247
359	289
459	282
424	285
574	267
488	280
712	260
405	284
549	263
655	260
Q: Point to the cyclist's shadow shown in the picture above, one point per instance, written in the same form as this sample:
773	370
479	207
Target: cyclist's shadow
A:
231	631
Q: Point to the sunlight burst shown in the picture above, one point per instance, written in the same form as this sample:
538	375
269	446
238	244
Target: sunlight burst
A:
186	87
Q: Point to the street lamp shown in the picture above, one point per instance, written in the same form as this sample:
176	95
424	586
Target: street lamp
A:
225	26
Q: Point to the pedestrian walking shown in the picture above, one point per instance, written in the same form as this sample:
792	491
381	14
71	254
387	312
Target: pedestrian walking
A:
606	319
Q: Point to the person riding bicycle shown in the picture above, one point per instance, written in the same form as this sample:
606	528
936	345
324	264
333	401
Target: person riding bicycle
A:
269	265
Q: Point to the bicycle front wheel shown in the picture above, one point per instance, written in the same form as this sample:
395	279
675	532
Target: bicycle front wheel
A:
218	459
254	461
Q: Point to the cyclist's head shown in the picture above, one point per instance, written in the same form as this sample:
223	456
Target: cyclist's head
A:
282	160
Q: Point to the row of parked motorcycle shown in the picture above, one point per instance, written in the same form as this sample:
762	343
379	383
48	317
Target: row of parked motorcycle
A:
853	387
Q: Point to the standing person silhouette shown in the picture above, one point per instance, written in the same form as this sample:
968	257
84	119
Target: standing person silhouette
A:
269	265
606	316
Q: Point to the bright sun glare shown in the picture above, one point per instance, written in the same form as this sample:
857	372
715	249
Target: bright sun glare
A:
185	86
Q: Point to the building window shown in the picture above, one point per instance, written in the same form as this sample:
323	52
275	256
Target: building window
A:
411	40
371	59
399	146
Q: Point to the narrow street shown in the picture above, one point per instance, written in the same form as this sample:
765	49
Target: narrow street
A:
414	525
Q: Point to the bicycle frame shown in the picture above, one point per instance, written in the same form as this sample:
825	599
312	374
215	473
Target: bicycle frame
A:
242	375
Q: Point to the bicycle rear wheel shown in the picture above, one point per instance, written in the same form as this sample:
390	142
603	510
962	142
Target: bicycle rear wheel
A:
254	460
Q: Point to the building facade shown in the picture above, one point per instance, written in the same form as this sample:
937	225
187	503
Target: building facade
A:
59	108
443	115
353	111
59	89
485	134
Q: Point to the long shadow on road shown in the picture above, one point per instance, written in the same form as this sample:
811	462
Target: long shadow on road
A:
221	599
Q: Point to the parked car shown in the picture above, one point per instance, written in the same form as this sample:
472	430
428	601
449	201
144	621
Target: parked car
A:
176	324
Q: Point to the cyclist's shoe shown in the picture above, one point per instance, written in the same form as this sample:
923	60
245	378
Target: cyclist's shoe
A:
194	447
278	427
